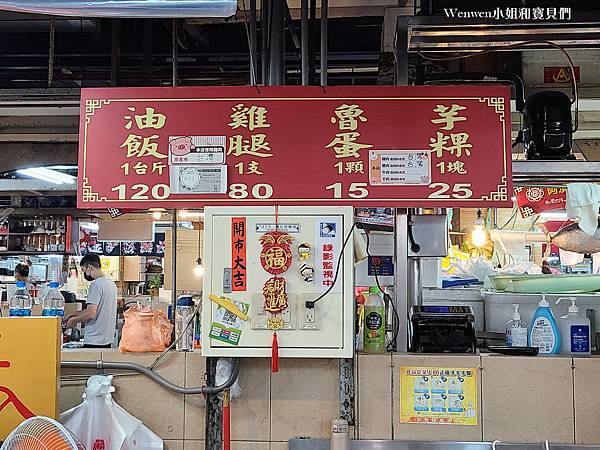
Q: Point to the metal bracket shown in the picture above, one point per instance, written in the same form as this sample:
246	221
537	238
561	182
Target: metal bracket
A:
347	390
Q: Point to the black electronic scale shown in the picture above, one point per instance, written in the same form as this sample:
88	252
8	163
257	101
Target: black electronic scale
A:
442	329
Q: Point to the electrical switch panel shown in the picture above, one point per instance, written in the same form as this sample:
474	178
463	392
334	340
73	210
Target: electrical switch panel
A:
280	273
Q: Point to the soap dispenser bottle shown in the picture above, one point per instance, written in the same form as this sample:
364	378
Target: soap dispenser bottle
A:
575	330
516	330
543	332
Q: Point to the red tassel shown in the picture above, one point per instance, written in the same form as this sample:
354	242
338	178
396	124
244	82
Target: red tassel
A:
275	354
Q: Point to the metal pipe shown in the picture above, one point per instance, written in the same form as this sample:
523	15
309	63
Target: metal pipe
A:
277	44
147	46
265	34
312	43
400	297
109	365
174	263
324	14
115	52
415	285
304	39
175	27
401	51
51	52
289	22
253	49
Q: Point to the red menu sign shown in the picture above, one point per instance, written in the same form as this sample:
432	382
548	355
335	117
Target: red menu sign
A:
362	146
533	200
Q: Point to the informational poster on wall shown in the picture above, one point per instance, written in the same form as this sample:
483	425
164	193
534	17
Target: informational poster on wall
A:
438	395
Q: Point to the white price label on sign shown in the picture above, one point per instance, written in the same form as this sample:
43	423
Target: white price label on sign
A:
399	167
197	149
198	179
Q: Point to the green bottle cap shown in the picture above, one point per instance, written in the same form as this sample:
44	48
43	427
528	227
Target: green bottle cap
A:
374	290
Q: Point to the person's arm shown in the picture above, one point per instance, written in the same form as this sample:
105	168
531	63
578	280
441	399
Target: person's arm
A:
92	302
82	316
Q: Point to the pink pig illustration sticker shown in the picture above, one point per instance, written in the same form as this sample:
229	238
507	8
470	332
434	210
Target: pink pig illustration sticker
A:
181	146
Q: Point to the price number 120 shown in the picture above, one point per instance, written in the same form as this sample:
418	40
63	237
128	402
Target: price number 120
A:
141	191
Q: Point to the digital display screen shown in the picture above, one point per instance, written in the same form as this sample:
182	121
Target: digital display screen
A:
445	309
382	266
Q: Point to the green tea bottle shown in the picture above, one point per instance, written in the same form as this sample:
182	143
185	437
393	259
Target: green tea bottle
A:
374	339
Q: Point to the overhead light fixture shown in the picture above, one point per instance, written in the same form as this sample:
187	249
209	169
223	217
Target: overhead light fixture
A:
49	175
62	167
191	214
479	235
156	215
199	269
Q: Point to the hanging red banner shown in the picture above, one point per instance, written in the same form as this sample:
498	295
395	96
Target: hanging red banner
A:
238	254
533	200
442	146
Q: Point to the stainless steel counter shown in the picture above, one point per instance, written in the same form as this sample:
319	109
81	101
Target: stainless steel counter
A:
323	444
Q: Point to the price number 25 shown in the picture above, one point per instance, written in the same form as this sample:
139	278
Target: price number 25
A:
443	191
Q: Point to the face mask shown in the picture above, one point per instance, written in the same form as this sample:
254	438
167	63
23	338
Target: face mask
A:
88	277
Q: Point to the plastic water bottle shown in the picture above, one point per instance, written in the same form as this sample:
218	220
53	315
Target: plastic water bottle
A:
53	303
184	314
374	339
20	302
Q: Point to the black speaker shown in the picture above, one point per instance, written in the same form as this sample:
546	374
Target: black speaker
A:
548	126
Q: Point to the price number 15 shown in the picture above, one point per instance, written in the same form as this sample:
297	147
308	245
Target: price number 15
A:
355	190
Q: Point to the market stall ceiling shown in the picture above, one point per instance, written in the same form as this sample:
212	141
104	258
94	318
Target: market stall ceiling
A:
125	8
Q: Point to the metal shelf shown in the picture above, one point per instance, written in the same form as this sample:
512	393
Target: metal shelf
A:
24	253
443	34
556	172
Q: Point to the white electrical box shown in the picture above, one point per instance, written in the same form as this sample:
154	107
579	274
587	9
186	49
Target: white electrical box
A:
313	238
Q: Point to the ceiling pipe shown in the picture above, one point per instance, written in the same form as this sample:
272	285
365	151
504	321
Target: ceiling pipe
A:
324	41
125	8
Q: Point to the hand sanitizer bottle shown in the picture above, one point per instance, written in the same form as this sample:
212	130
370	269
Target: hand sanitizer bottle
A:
543	331
575	331
516	330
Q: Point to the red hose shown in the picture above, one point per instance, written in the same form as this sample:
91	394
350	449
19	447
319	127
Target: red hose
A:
226	421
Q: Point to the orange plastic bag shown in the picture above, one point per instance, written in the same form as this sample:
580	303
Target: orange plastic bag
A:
145	330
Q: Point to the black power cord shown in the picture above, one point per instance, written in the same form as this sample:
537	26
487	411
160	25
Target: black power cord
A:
391	346
310	304
415	248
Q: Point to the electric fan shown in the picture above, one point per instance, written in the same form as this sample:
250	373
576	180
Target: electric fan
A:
41	433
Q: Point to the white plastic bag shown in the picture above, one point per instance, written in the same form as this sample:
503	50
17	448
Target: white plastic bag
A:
222	374
101	424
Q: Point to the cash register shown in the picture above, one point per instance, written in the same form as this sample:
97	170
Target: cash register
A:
442	329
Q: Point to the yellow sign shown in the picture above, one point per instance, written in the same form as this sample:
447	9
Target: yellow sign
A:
438	395
105	263
29	369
